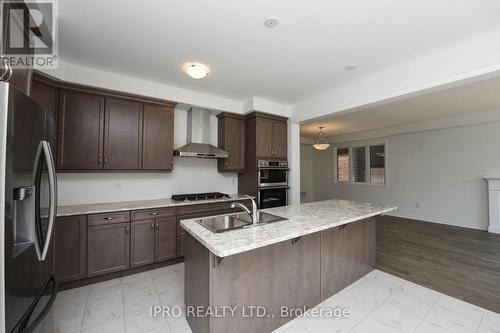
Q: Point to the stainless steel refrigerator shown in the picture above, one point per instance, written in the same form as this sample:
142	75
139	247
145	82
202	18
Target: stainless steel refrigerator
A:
28	204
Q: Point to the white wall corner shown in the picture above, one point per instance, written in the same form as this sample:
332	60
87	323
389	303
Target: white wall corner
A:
294	163
267	106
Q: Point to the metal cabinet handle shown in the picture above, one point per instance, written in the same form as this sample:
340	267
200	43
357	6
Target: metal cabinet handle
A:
152	226
154	213
105	160
99	160
226	164
127	229
109	218
157	225
171	162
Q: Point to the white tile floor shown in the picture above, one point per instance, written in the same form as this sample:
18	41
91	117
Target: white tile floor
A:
379	302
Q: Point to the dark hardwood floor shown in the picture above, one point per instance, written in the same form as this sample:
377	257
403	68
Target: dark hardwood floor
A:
460	262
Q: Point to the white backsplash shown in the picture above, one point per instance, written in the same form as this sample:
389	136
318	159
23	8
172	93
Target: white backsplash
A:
190	175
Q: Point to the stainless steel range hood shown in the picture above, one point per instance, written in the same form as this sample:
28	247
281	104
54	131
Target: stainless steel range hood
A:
198	137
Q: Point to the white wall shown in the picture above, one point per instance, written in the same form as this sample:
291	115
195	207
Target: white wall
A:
306	173
440	170
190	175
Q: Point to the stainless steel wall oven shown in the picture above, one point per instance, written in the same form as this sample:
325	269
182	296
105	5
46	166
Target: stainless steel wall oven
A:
272	183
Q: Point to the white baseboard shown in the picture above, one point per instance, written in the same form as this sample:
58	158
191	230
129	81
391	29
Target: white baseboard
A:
495	230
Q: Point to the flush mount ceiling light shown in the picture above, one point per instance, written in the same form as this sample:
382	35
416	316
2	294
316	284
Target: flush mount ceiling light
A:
321	143
196	70
271	22
351	67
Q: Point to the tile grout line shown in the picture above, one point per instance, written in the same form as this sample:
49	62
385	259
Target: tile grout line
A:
159	300
428	311
85	309
481	320
385	300
123	305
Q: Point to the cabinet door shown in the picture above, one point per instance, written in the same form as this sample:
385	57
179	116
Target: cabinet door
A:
47	96
158	137
165	238
263	131
232	138
69	247
142	238
181	246
122	135
80	135
108	248
280	142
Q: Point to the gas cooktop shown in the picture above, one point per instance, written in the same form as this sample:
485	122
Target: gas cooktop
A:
199	196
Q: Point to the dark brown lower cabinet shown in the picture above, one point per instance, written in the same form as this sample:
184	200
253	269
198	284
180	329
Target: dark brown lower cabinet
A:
108	248
180	246
152	241
69	247
165	239
142	246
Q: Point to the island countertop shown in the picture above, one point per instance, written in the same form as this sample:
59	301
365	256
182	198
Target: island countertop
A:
301	220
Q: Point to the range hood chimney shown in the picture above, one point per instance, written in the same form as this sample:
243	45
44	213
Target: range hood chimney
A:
198	137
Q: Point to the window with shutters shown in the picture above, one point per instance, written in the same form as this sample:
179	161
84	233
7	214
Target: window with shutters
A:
343	165
361	164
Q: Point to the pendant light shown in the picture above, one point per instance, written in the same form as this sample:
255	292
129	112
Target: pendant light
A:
321	143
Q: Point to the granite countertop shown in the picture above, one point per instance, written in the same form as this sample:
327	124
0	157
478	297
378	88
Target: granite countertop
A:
302	220
133	205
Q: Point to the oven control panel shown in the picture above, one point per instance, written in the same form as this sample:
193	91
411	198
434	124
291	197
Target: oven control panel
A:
272	164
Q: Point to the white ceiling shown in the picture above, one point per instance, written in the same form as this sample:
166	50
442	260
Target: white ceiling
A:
475	97
304	55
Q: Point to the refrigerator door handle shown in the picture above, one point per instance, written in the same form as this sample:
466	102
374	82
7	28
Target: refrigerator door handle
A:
44	148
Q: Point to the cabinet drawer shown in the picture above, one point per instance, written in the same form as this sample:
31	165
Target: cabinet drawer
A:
108	218
146	214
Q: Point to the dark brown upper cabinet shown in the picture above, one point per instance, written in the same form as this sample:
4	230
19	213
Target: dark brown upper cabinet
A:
122	135
232	138
279	140
70	236
100	130
47	96
270	134
264	137
80	132
158	138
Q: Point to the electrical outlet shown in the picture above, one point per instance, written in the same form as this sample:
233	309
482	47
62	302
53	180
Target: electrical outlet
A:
118	187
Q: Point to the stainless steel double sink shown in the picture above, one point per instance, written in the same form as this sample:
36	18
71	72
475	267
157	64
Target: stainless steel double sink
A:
224	223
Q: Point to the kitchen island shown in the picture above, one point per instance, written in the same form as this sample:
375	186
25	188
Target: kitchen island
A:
242	280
